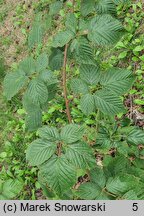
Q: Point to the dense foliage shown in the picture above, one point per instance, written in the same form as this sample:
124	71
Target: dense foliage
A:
97	158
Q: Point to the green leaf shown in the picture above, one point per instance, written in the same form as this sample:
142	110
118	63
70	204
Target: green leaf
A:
82	51
49	133
142	57
37	91
105	30
87	104
40	151
97	176
136	136
120	164
71	133
28	65
104	196
47	77
121	1
62	38
56	59
55	7
139	102
33	119
37	32
138	48
119	81
130	195
103	139
28	105
122	55
80	155
34	114
83	24
1	186
13	82
3	197
116	186
59	174
105	7
42	62
11	188
136	171
52	89
79	86
48	21
89	191
122	184
71	22
90	74
108	103
87	7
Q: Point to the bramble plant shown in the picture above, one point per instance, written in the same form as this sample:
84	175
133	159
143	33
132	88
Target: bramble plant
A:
65	154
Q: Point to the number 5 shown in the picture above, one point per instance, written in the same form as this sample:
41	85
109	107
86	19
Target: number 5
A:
135	207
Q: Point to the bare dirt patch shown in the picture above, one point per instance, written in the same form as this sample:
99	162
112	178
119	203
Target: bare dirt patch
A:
17	20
